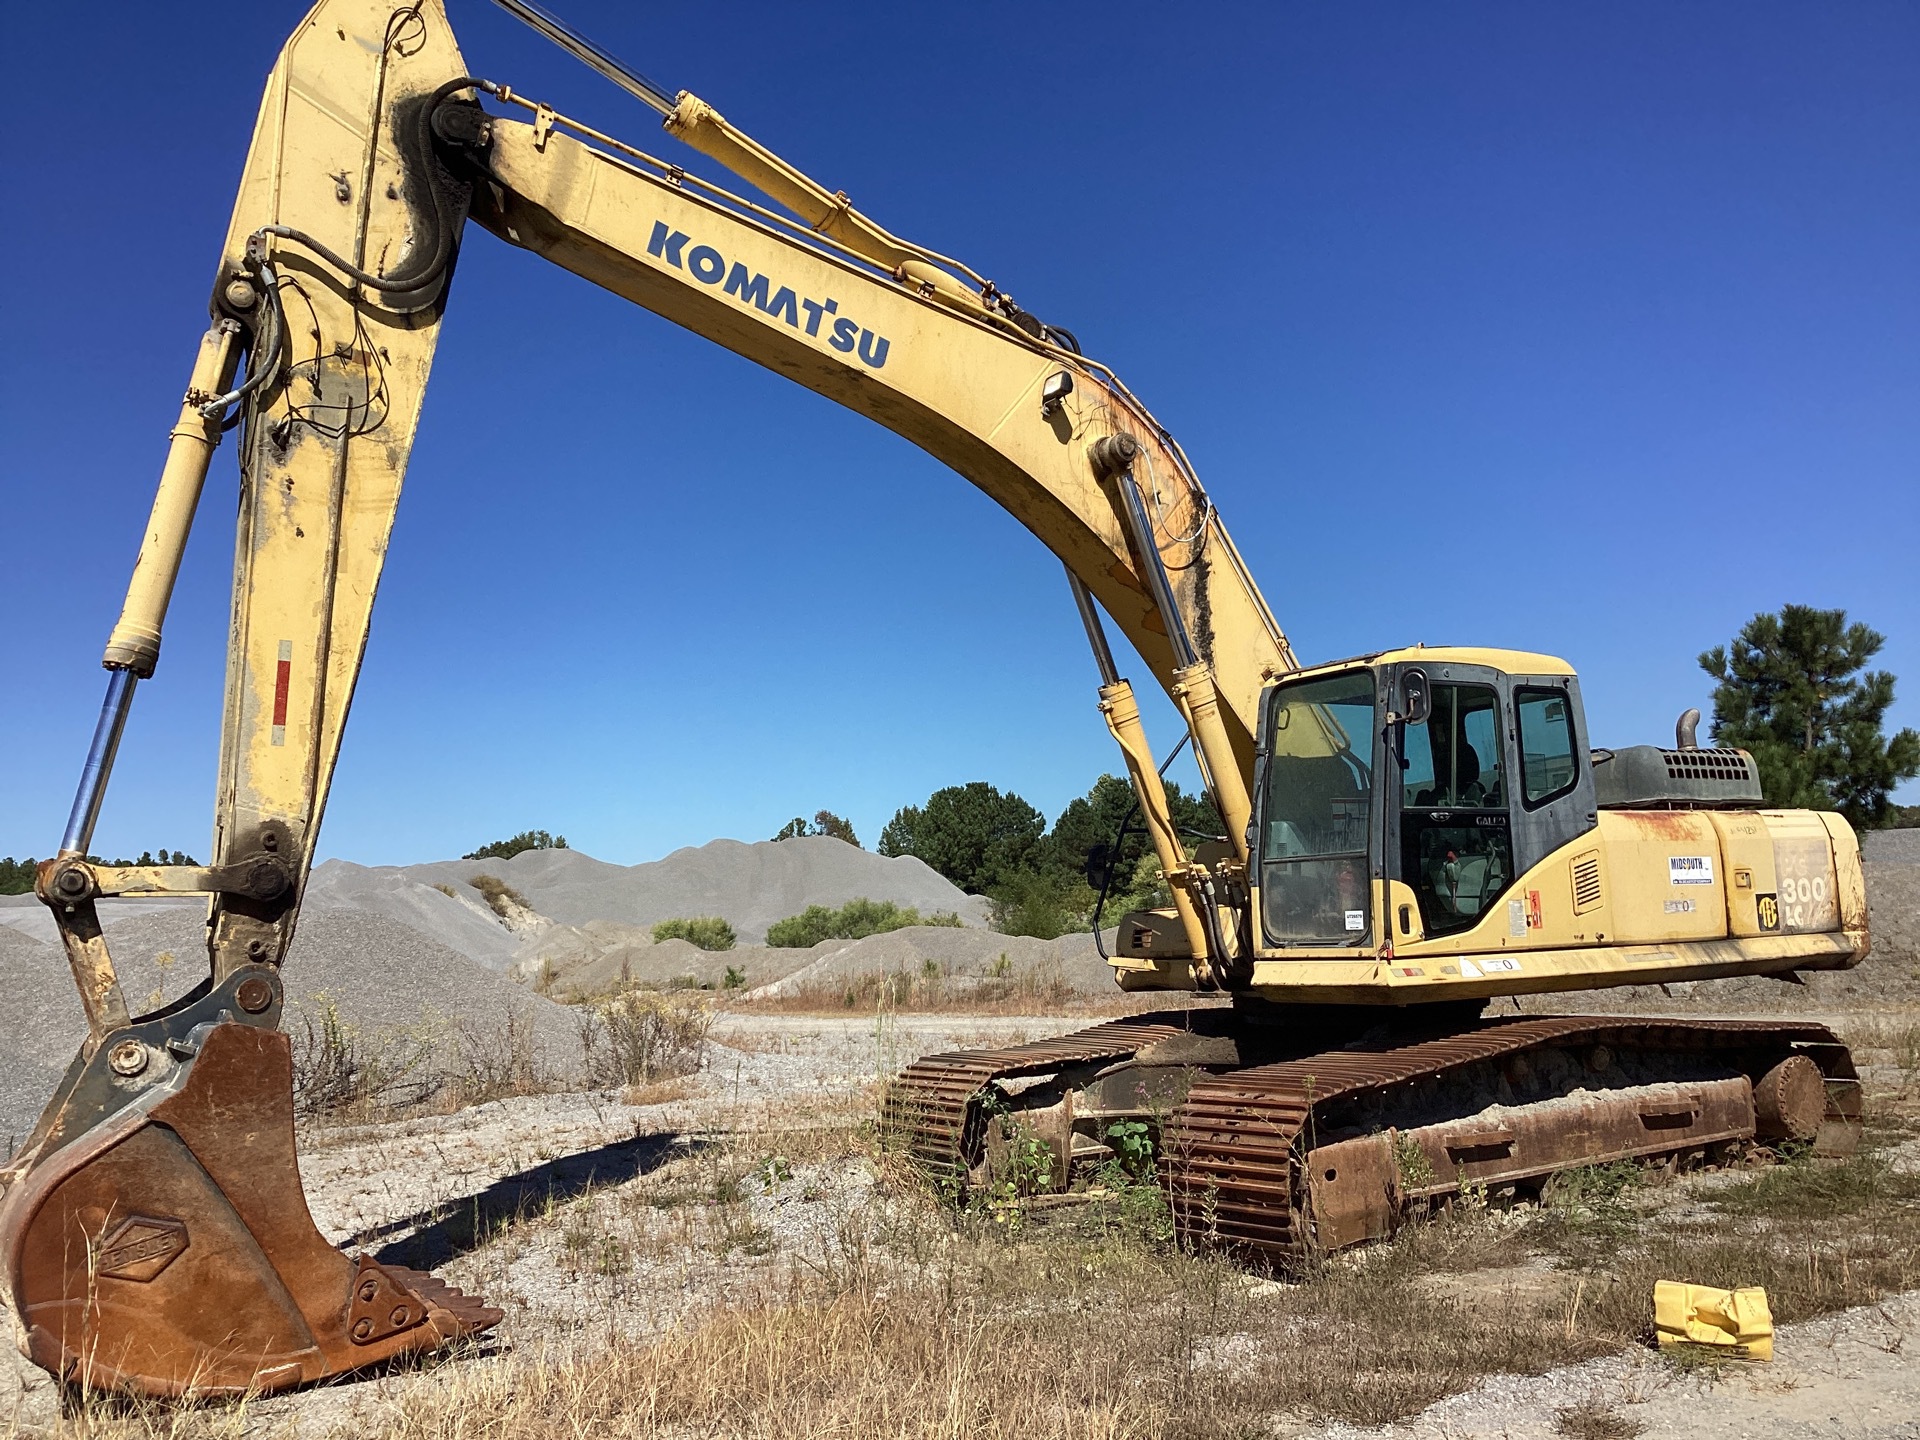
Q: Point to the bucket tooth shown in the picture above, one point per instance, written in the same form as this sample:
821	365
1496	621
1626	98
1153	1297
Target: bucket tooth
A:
168	1249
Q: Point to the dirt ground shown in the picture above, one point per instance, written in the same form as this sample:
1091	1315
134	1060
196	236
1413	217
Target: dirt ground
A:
627	1224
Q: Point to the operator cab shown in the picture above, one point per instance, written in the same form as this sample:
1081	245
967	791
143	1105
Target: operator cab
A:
1451	771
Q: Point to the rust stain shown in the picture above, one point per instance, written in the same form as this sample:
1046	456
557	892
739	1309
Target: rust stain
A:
1679	826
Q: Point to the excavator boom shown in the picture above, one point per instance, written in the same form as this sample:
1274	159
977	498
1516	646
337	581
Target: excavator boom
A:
152	1232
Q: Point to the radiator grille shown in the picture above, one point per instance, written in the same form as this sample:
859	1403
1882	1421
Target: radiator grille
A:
1708	765
1586	882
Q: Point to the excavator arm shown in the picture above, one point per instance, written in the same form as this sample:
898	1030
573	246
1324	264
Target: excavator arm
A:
153	1236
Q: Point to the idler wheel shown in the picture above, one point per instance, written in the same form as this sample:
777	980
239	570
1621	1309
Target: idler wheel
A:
1790	1100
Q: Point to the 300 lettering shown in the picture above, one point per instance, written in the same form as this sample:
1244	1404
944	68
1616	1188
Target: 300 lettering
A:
1799	903
1803	891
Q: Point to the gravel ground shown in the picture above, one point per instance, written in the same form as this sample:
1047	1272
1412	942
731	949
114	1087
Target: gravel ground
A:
434	1192
1846	1375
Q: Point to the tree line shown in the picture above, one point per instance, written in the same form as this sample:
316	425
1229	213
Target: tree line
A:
1041	879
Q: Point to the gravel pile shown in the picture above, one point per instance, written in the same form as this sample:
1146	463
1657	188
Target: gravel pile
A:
45	1024
27	915
382	978
1891	859
588	959
926	951
1900	847
748	885
392	953
602	954
461	921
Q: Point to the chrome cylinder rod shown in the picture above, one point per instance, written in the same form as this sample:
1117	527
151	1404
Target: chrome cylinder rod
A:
1156	576
1096	633
93	779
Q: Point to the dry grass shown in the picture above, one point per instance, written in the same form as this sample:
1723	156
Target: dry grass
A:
347	1088
637	1037
658	1092
343	1076
910	1321
501	898
1596	1420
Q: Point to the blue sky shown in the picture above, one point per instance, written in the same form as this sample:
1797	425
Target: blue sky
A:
1592	330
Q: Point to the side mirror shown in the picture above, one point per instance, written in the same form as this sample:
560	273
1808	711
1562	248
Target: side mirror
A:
1416	700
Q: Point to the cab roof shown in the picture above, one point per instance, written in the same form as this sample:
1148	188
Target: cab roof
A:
1511	662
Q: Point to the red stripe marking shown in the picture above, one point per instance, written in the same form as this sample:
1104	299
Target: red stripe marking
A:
282	679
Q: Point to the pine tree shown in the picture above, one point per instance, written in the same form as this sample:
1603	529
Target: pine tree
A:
1791	692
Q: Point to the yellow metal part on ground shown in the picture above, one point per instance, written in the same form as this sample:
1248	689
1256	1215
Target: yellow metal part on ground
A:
1729	1322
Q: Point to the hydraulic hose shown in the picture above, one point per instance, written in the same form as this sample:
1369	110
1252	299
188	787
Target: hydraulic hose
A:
414	277
267	355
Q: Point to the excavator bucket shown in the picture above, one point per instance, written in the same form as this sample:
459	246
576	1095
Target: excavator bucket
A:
154	1234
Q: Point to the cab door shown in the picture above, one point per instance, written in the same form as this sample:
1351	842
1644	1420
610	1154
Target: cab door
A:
1553	801
1454	844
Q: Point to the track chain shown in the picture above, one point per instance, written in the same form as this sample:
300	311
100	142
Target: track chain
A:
1231	1153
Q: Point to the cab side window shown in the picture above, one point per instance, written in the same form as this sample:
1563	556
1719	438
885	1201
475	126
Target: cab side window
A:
1548	766
1456	850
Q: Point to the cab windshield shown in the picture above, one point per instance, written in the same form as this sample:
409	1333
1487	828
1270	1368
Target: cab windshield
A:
1317	810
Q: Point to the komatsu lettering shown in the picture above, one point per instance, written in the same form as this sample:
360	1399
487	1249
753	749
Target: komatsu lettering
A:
748	286
709	267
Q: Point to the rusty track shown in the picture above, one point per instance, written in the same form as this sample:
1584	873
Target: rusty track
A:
1232	1154
930	1107
1233	1157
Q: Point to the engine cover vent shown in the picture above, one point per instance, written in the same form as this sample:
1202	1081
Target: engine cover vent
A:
1586	882
1735	765
1648	777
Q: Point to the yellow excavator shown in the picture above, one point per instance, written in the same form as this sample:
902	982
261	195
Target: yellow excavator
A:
1408	835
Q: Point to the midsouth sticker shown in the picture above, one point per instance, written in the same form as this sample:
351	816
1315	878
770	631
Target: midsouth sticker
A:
1690	869
1356	919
